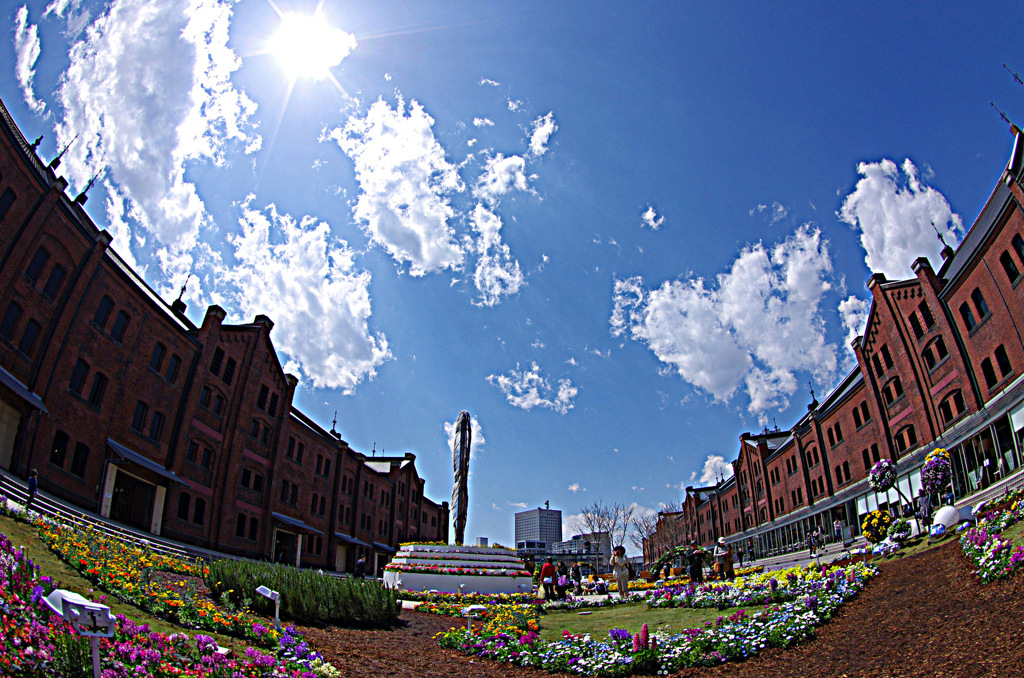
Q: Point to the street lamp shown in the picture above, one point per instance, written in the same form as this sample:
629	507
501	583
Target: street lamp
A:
276	597
89	619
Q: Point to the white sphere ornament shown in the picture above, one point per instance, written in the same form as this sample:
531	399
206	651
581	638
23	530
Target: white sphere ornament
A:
948	516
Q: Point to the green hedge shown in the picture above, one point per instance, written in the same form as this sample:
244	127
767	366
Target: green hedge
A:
307	597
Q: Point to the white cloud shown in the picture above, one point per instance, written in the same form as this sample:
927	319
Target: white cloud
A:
497	274
148	91
650	219
477	440
483	122
776	212
495	507
500	176
26	47
517	504
528	389
854	313
894	214
756	328
543	128
715	467
488	81
305	281
514	105
405	185
575	487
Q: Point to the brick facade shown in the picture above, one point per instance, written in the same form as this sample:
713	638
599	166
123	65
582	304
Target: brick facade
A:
127	408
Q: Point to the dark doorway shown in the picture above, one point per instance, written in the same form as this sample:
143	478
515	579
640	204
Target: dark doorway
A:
284	548
132	502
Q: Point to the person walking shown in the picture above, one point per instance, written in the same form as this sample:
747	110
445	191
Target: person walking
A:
620	570
360	571
695	564
810	543
739	555
547	579
33	485
723	559
562	582
837	529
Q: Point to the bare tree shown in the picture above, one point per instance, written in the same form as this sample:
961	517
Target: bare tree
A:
612	519
644	526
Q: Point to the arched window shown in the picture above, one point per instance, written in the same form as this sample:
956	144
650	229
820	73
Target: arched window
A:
1009	267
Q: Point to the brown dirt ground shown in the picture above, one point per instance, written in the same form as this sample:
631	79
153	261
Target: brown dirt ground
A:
922	616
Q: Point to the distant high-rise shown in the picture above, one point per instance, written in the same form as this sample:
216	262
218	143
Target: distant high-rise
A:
538	529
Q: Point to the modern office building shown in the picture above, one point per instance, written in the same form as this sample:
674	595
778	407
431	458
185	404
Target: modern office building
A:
538	530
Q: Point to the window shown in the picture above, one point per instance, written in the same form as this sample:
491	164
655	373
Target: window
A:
915	325
120	325
965	314
839	475
1018	246
218	404
28	339
54	282
290	453
204	397
172	368
261	401
989	373
254	526
893	391
229	371
10	321
878	365
199	513
298	455
99	387
1003	361
79	460
867	459
313	503
319	462
935	353
139	418
59	448
952	407
156	361
886	356
856	418
6	200
272	410
266	435
839	432
1009	268
864	411
207	461
240	526
78	377
846	471
327	467
156	426
906	438
294	499
979	304
814	456
35	267
831	438
218	358
184	504
875	456
103	312
193	451
284	490
254	429
926	315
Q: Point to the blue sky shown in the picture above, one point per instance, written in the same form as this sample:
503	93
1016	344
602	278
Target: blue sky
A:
618	234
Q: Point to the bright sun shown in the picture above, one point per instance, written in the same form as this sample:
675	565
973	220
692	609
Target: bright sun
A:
307	47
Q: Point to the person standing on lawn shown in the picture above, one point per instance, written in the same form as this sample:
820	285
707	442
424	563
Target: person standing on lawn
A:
620	570
33	485
547	579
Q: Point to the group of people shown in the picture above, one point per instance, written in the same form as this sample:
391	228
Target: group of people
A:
557	580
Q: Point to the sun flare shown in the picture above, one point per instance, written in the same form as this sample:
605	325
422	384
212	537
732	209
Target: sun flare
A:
307	47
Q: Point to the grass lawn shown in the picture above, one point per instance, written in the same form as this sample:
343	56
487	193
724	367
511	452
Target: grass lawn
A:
24	536
630	617
1015	533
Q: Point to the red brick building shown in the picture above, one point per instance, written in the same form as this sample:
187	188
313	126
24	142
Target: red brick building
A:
127	408
940	364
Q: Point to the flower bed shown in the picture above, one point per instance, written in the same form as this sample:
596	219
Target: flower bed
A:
994	556
35	642
483	569
621	654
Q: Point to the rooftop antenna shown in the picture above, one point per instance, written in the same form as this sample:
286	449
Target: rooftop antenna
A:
82	197
334	422
547	504
35	144
1015	76
776	424
934	228
1001	114
184	286
374	452
55	163
812	388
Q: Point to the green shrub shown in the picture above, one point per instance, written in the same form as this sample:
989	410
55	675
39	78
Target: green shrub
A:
307	597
